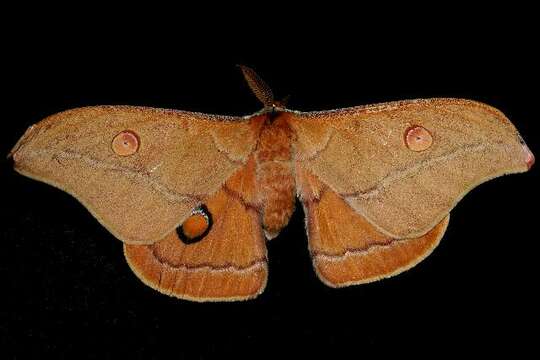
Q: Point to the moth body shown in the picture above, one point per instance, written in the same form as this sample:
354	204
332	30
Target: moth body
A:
275	178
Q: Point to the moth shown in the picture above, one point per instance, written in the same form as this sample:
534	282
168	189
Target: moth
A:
193	197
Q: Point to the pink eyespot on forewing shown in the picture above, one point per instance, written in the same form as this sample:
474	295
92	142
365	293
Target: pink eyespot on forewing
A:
125	143
418	138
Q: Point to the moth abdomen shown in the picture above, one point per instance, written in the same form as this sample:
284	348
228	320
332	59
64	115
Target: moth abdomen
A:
275	176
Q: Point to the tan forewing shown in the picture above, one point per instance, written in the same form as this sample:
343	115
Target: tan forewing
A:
182	158
361	154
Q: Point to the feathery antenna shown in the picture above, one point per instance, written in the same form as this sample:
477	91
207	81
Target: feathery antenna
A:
261	89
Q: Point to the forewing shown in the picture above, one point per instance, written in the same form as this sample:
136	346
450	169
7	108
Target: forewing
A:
182	159
361	155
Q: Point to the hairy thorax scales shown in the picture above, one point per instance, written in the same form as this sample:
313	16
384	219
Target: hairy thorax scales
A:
274	173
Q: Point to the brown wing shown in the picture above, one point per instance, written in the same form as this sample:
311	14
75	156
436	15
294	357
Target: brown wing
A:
345	248
182	158
361	155
228	264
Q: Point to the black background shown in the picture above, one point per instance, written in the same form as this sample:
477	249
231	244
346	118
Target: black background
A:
66	287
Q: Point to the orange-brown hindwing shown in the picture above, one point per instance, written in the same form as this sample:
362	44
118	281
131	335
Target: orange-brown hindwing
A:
346	249
228	264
